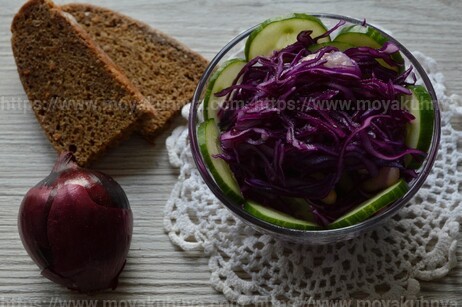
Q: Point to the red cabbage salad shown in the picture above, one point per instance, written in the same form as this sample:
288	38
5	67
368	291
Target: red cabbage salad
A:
318	134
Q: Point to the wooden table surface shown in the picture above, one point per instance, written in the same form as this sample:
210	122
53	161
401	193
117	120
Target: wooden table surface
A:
156	270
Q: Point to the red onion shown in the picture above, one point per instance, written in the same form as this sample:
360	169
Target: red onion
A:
76	225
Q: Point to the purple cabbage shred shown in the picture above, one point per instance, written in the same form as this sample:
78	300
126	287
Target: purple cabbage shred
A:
300	124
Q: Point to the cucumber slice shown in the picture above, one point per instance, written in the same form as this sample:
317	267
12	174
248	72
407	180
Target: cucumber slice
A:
339	45
277	217
220	80
361	36
277	33
420	130
300	208
371	206
208	139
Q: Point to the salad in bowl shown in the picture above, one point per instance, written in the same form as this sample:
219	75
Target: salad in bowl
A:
321	128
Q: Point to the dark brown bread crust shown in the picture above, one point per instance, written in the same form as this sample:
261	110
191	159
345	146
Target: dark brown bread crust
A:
164	70
80	98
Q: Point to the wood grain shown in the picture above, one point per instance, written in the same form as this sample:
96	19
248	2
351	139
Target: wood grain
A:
156	270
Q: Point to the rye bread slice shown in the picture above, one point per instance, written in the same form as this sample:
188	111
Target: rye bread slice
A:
164	70
79	96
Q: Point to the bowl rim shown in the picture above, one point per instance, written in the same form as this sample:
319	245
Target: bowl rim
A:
323	234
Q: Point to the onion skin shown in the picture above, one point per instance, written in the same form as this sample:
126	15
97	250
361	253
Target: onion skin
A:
77	225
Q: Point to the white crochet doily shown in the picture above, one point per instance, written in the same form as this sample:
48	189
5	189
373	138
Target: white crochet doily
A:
250	267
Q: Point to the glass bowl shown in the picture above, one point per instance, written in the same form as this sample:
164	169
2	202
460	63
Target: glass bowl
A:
235	47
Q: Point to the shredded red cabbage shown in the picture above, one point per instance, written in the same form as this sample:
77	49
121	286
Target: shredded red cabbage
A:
301	124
